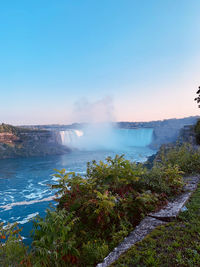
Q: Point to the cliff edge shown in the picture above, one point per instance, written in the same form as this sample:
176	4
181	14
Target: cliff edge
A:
22	142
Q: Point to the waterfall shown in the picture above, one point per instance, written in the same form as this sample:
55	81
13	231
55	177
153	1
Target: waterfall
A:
140	137
106	138
70	137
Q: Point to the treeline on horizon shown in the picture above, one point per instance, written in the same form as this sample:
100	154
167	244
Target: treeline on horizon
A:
187	120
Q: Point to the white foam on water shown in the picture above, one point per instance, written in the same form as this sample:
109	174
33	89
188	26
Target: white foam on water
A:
36	195
43	183
8	198
14	218
12	189
28	218
26	190
30	186
31	196
55	179
21	203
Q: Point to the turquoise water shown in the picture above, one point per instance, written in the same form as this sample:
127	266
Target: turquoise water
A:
23	182
104	137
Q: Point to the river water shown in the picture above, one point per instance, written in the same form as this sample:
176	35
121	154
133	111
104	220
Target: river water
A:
23	181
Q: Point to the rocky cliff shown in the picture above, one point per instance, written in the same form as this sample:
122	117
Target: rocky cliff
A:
165	131
22	142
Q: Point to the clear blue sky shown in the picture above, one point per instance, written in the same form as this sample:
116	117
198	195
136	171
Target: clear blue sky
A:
142	55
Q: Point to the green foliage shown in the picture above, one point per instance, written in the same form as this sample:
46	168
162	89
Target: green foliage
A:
107	203
118	236
185	156
94	251
115	172
54	239
12	129
173	244
108	192
197	132
165	178
12	250
95	212
198	97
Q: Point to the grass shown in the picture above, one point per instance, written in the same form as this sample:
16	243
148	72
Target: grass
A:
174	244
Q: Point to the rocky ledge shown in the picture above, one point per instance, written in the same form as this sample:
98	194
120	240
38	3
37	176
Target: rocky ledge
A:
153	220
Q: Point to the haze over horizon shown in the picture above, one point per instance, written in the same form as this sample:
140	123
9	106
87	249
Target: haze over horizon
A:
103	122
67	61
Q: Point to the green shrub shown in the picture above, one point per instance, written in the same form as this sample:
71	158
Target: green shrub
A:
197	132
54	239
106	205
12	250
124	229
185	156
165	179
116	173
95	212
94	251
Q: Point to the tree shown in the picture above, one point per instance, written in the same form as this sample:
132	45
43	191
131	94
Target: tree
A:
198	97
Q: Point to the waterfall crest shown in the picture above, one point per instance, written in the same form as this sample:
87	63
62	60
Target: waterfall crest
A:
70	137
106	138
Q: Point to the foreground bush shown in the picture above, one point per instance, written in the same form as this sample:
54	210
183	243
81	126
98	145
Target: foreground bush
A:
174	244
12	250
54	239
197	132
95	212
185	156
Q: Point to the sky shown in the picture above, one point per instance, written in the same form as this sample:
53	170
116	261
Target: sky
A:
70	61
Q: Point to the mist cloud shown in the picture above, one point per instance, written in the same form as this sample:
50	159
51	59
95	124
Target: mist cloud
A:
100	111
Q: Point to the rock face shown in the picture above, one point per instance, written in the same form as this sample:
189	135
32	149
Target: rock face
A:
21	142
165	131
8	138
187	134
42	140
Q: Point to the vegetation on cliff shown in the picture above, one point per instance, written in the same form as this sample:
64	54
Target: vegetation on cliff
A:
198	97
23	142
175	244
186	156
197	132
197	126
6	128
95	212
